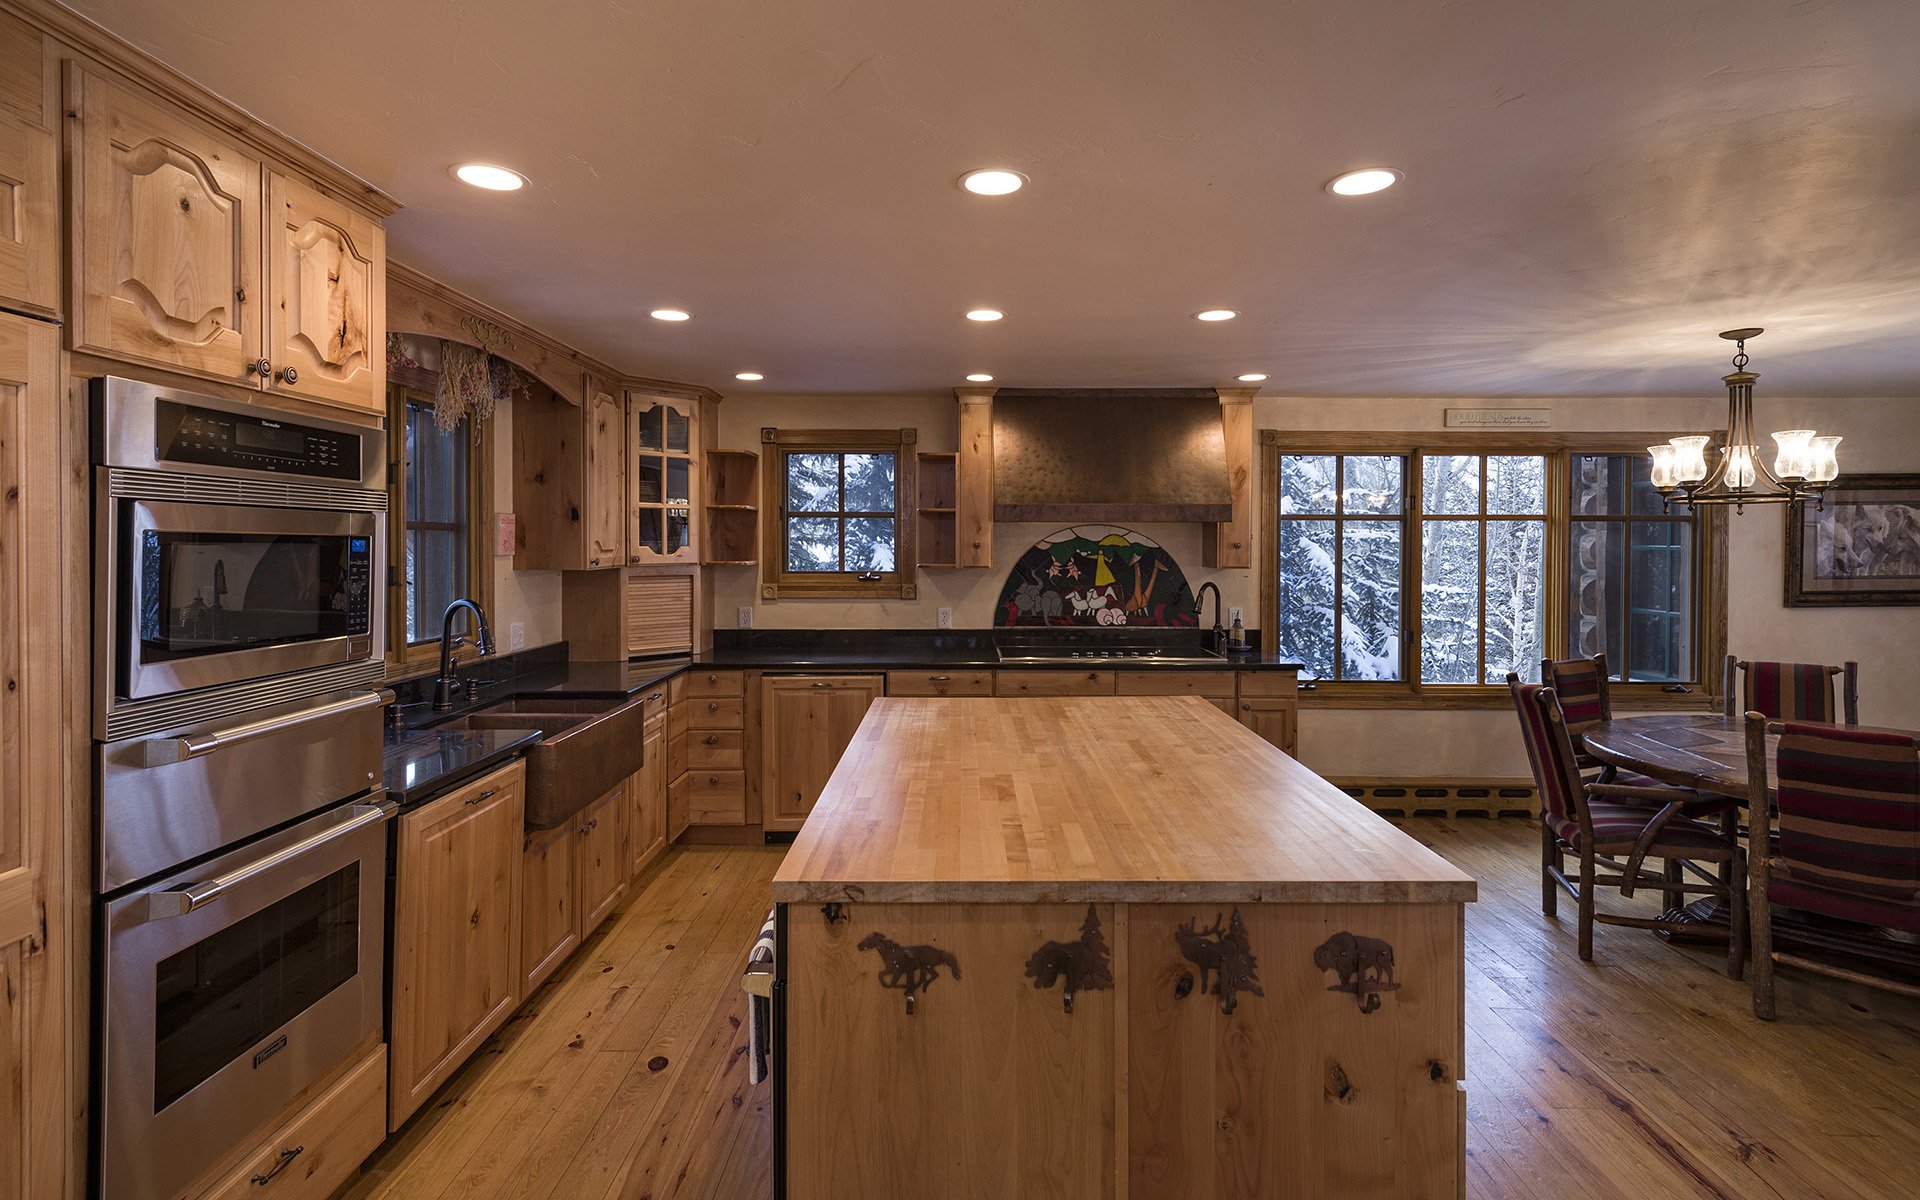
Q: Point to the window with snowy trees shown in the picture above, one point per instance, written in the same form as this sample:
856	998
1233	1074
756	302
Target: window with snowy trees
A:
842	527
1424	568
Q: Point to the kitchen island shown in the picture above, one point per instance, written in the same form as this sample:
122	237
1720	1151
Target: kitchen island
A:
1112	947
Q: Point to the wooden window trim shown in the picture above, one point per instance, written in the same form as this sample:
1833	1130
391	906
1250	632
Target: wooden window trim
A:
1710	593
402	657
778	583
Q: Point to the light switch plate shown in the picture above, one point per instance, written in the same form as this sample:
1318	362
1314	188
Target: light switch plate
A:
746	616
516	635
1233	614
946	618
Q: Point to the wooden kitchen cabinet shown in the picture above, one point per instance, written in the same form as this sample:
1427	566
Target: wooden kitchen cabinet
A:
29	172
549	904
1269	705
646	816
1053	683
707	780
662	475
599	858
456	932
806	723
322	1146
569	482
192	254
166	235
327	297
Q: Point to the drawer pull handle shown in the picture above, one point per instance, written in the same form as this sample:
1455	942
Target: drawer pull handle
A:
486	795
592	824
713	781
939	679
713	706
655	696
821	683
286	1156
1092	676
713	679
713	739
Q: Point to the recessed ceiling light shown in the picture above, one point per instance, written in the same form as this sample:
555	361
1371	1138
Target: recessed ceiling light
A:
756	377
1254	378
669	314
1364	182
490	177
985	314
993	181
979	379
1216	314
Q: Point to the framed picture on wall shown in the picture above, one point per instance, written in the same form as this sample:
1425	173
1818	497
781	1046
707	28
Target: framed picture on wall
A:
1861	548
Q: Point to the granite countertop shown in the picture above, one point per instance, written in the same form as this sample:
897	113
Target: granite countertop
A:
420	763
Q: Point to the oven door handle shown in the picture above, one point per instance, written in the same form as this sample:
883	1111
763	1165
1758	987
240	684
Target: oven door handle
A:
162	752
181	901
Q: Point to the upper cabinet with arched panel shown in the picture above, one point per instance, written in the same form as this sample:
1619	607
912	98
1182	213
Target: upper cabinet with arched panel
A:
193	254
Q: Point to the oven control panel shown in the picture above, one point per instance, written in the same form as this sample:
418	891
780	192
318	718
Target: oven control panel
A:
186	433
359	579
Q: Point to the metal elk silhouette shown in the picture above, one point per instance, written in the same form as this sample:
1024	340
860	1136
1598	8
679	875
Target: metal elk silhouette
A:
1222	952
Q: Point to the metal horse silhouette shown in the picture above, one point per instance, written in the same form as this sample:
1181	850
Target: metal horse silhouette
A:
1223	953
909	968
1085	964
1364	964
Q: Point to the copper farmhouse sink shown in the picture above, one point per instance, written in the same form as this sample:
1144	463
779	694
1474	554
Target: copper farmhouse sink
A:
586	748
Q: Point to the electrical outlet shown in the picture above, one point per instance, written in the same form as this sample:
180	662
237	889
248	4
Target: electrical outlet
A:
516	635
946	618
1233	614
746	616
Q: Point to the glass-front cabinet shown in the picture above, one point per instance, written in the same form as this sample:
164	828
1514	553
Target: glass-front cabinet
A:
660	478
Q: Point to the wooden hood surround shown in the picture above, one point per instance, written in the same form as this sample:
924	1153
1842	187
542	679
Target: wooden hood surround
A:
1109	455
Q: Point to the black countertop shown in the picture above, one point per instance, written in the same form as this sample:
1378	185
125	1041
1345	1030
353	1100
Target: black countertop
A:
420	763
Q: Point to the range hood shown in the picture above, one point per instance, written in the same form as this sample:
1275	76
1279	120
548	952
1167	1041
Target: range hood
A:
1109	455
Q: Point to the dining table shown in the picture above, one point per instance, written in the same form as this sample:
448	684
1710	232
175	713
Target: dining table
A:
1707	753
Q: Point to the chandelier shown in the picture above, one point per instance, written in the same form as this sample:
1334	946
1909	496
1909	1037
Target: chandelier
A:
1803	462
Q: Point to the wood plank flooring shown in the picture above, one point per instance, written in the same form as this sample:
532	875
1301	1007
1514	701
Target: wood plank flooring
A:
1642	1074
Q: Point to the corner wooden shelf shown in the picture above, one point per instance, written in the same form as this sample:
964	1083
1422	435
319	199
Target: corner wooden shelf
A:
732	509
934	509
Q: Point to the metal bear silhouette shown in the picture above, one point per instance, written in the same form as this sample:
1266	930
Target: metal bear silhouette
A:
1223	953
909	968
1084	964
1364	964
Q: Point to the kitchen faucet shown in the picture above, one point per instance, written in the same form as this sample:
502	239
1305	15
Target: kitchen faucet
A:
447	683
1199	606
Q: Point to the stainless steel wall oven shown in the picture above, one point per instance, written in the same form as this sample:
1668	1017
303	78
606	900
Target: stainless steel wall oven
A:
242	833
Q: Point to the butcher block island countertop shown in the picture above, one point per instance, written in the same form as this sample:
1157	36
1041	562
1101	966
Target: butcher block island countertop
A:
1113	947
1131	798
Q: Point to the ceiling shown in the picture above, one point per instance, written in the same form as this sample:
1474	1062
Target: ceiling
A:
1592	190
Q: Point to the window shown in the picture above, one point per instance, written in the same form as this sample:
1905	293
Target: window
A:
841	527
1428	572
438	501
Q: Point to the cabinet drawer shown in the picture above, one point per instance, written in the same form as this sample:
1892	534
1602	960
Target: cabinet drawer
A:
676	753
1054	683
939	683
716	712
1214	685
310	1156
717	797
715	683
1269	683
716	749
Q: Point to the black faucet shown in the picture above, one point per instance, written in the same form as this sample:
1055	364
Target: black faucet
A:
1199	607
448	683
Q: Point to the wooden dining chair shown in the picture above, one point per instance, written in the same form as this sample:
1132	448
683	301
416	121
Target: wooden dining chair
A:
1581	684
1618	827
1783	691
1848	845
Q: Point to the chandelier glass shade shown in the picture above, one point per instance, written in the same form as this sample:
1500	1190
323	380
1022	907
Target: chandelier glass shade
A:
1688	471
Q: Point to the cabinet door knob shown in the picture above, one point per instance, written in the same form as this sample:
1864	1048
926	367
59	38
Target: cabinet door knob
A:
1246	708
260	367
713	679
713	706
713	781
712	739
288	375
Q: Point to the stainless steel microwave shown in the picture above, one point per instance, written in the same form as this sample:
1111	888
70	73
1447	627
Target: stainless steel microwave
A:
236	543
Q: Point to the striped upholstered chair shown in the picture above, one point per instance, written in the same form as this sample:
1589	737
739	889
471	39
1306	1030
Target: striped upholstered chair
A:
1618	827
1849	839
1793	691
1581	684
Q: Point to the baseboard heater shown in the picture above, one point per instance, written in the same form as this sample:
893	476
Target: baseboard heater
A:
1445	798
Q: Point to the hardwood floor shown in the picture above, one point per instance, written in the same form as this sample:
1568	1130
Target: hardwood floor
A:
1642	1074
